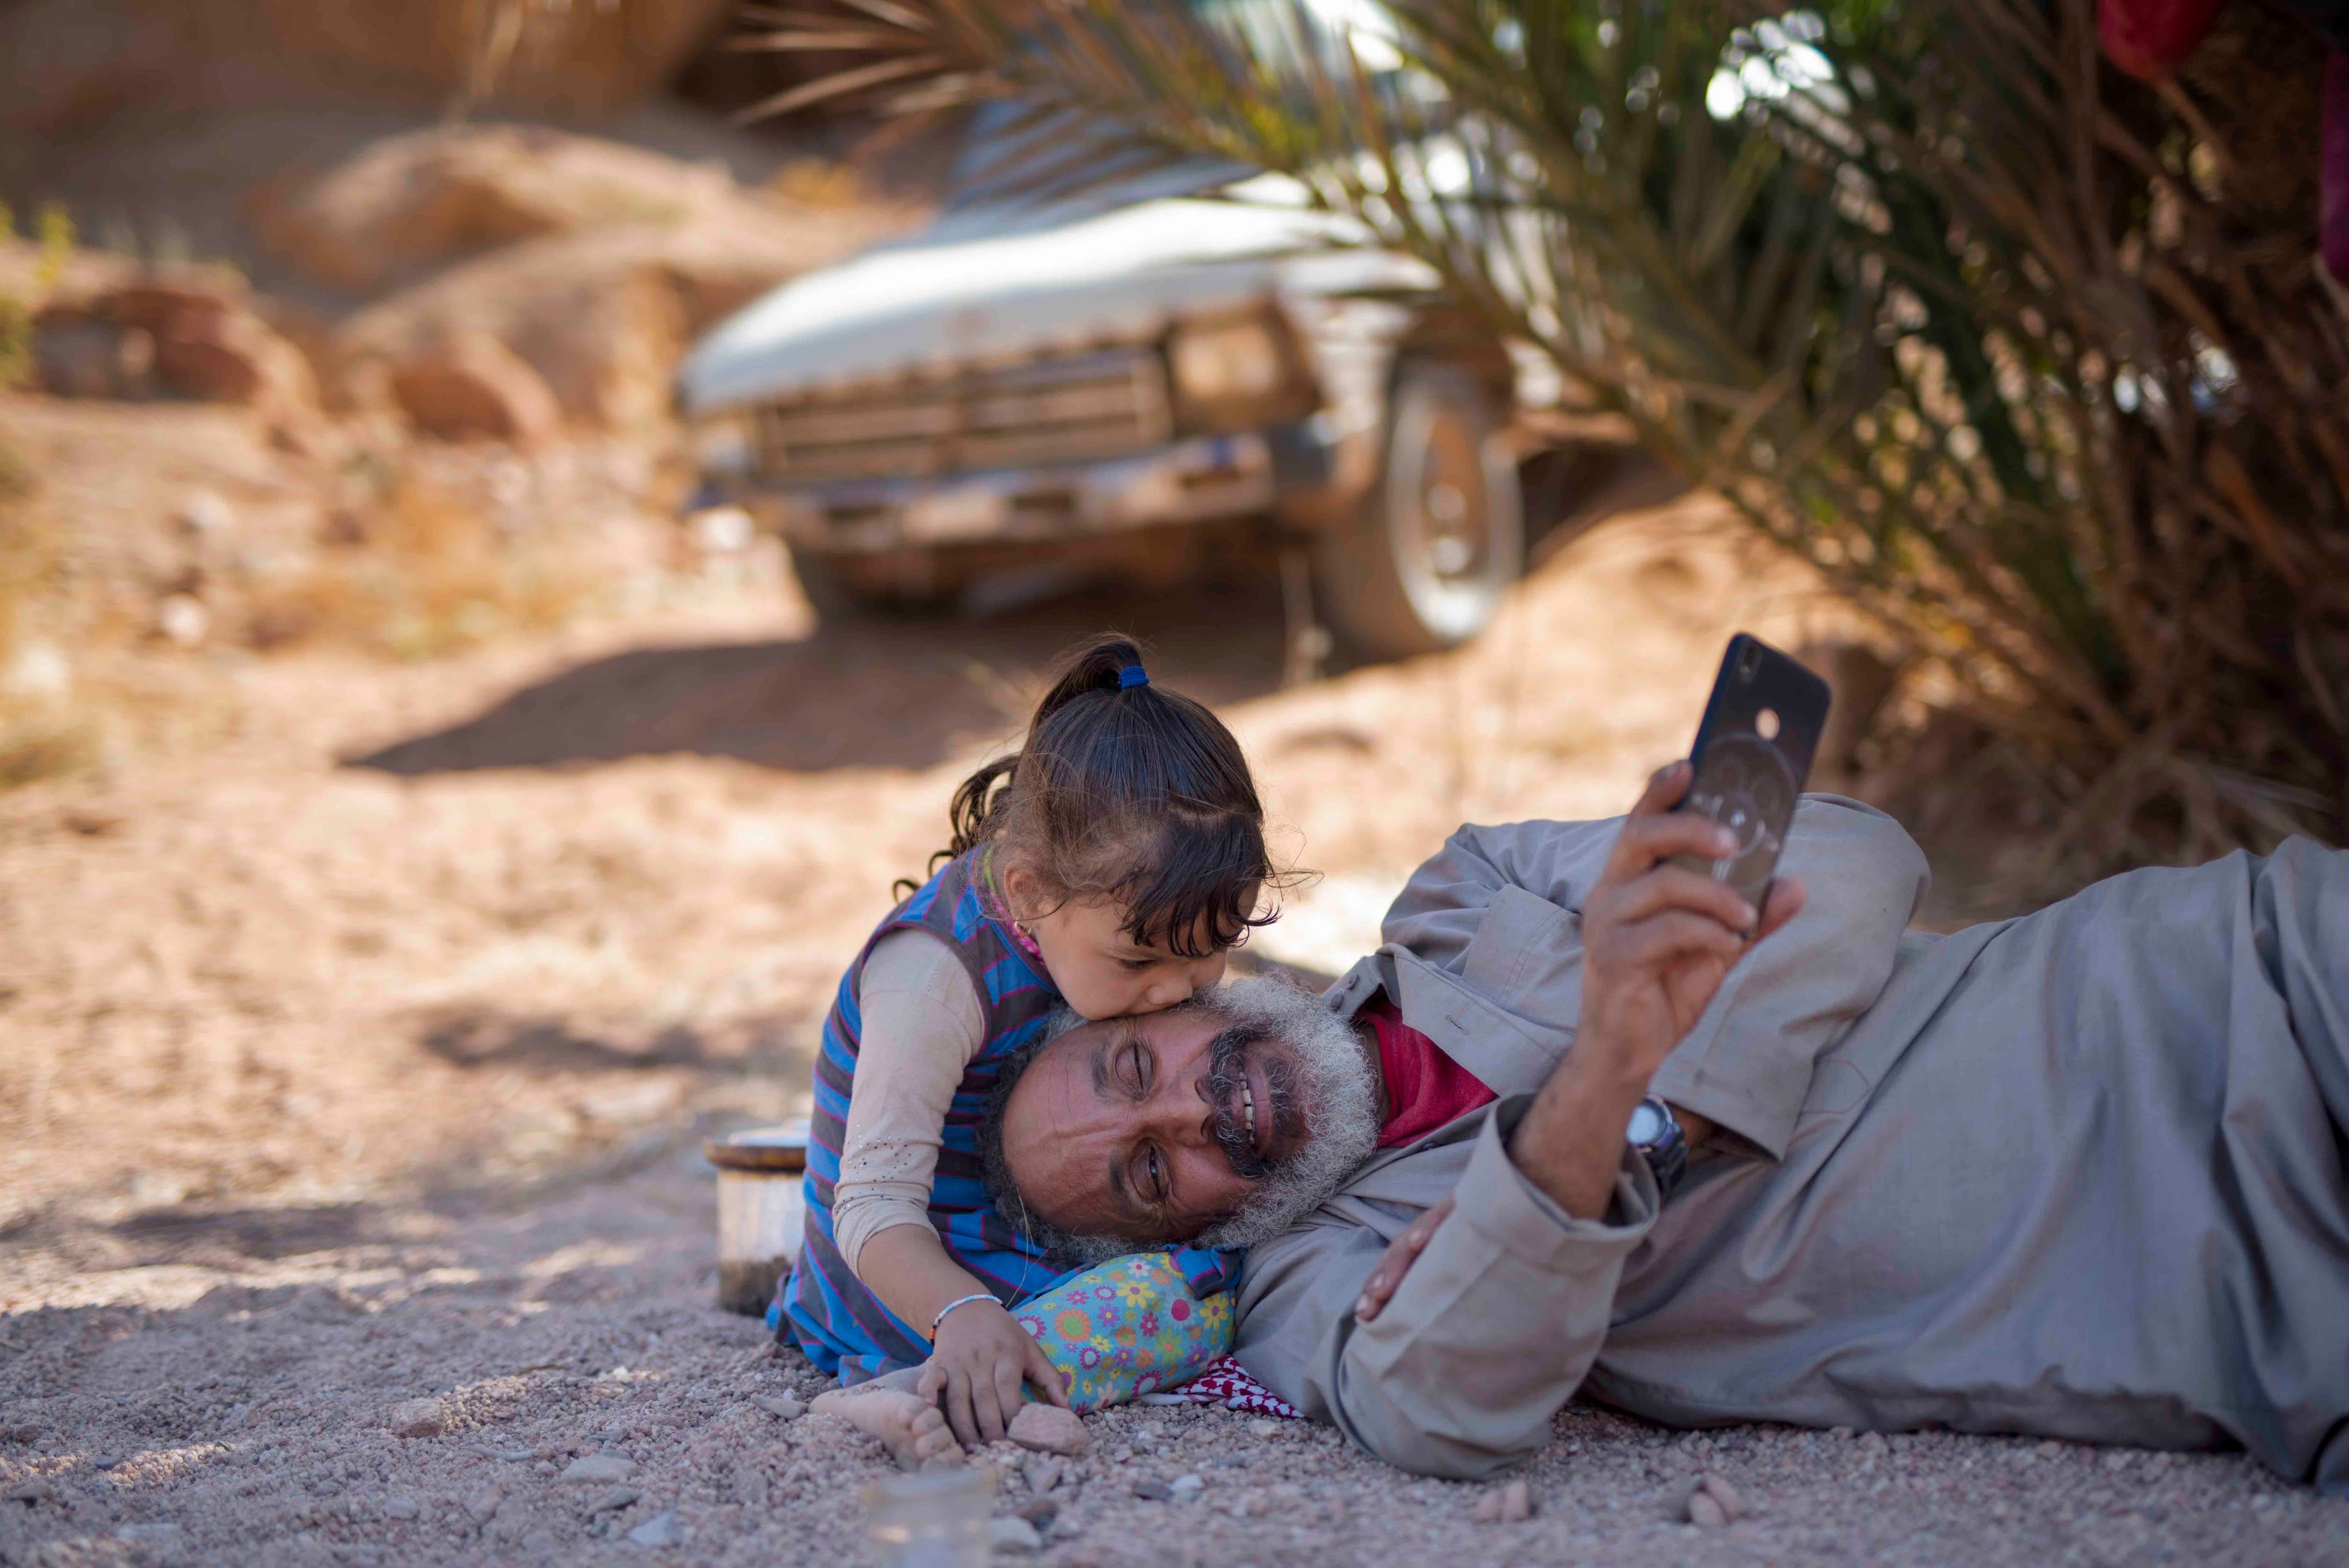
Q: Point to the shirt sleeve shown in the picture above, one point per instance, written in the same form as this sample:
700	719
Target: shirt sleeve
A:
1747	1065
922	1024
1747	1062
1490	1332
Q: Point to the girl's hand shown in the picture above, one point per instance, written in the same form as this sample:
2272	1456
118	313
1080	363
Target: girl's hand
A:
1401	1253
977	1363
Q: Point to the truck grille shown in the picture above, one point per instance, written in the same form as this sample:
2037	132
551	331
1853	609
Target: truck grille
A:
1072	409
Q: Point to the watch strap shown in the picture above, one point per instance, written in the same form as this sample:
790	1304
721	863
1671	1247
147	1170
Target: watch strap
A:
1667	1152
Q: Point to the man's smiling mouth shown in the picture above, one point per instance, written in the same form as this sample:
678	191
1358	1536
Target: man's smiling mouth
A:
1252	1108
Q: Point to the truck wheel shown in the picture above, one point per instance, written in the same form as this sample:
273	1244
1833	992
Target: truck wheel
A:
1422	568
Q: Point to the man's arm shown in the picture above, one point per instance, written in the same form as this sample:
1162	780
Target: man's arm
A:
1489	1333
1504	1311
1746	1064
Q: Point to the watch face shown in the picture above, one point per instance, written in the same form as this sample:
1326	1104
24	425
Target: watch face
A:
1646	1126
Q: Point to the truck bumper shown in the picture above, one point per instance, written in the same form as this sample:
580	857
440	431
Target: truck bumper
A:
1199	479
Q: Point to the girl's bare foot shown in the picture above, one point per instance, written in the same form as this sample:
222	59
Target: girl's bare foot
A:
911	1427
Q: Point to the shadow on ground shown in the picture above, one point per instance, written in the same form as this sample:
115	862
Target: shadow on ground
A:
870	692
856	692
476	1038
455	1198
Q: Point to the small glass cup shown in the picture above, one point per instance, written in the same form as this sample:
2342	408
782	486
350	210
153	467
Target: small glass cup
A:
935	1519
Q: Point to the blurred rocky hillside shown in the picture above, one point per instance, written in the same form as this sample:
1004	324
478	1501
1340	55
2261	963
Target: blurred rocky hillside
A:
81	64
309	332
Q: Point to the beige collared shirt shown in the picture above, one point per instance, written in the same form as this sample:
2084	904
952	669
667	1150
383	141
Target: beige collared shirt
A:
2077	1174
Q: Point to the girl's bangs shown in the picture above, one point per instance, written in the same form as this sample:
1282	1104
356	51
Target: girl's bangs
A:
1199	893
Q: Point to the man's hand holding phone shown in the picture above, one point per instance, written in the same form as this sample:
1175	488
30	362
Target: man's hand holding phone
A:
1657	940
1659	937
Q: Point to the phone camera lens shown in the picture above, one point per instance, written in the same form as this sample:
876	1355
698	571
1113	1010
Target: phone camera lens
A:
1749	663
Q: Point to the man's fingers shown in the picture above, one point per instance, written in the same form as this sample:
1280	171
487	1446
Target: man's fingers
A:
1665	787
1676	934
1677	888
1046	1376
1782	903
1401	1253
1647	839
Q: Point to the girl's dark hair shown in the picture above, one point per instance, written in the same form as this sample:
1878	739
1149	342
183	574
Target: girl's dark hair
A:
1132	793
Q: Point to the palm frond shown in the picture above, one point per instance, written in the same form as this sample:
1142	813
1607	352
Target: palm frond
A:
1935	299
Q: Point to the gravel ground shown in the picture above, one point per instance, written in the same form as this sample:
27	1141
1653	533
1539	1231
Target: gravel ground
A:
259	1424
342	1102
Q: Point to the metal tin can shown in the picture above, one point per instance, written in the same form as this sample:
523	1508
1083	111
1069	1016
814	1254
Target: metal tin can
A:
761	1211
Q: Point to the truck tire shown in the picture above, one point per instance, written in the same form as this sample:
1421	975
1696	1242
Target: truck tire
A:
1440	537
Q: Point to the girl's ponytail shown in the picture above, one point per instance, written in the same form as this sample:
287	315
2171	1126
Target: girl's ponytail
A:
1099	666
1127	790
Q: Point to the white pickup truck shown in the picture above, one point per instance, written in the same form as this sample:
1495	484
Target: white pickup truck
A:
1085	382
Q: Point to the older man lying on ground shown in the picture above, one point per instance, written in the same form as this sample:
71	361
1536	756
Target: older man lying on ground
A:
2078	1174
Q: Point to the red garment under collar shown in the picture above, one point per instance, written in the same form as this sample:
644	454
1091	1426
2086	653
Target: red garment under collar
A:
1426	1089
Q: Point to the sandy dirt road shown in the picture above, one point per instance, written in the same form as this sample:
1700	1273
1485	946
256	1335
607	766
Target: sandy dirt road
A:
357	1057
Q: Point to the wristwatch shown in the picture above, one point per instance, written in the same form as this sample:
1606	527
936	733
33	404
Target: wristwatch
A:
1657	1136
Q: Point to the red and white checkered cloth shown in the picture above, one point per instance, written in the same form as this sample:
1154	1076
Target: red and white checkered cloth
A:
1226	1382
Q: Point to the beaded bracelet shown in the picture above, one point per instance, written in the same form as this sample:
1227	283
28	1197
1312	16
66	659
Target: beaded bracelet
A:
959	1301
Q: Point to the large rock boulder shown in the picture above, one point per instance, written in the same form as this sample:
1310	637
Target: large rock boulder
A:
408	204
216	349
603	315
470	387
106	329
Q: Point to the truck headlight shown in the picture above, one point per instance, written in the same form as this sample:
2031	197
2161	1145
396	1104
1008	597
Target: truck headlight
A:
1236	365
725	446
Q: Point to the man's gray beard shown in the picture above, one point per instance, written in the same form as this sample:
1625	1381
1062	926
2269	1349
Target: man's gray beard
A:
1337	1092
1332	1089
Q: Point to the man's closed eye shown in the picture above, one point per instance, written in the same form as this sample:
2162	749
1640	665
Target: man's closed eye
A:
1135	1069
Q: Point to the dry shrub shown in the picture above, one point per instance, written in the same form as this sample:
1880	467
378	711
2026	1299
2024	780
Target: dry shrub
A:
2029	359
816	183
426	574
56	232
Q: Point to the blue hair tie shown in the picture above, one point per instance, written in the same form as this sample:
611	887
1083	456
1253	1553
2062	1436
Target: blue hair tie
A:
1132	675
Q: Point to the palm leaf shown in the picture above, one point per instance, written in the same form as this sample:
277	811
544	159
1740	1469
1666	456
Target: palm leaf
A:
1933	298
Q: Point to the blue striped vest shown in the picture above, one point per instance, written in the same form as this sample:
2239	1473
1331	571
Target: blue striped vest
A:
825	1309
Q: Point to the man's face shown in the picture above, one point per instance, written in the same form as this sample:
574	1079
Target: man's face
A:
1145	1129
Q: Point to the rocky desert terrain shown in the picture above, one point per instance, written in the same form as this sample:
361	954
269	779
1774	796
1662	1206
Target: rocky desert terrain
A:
360	1037
418	829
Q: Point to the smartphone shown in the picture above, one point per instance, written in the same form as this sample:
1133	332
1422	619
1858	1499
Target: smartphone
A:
1753	755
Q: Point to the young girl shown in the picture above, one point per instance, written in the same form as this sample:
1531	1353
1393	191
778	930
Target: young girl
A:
1108	866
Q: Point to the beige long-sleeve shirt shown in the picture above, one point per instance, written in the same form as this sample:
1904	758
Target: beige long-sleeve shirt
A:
2076	1174
922	1024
